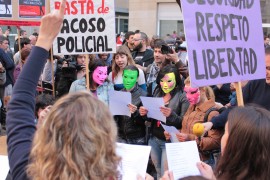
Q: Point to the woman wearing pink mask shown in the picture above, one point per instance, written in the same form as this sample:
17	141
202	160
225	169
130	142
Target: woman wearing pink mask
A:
201	100
99	85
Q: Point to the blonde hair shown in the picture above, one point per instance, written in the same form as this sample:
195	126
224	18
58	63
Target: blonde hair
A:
121	50
209	93
76	141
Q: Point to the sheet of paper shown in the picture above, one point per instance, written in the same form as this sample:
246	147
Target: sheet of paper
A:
4	167
118	102
182	158
134	160
173	131
153	105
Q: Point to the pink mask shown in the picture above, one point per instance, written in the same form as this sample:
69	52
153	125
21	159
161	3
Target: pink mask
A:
100	74
193	95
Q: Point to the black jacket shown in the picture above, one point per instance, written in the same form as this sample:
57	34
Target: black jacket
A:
134	126
179	105
147	59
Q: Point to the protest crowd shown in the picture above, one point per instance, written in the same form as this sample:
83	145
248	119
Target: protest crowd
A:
57	129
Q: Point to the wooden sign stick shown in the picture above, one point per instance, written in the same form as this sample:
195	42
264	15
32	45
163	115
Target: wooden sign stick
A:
52	61
87	72
239	94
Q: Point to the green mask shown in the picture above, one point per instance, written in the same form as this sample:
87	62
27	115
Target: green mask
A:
129	79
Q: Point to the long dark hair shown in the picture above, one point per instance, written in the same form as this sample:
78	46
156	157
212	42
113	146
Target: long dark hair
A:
92	66
170	68
246	155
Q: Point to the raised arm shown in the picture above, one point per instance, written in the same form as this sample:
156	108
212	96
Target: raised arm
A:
20	116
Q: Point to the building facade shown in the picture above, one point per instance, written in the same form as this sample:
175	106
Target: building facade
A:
162	17
121	16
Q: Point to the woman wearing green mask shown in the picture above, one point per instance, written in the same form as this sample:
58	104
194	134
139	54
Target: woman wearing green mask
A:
169	86
131	130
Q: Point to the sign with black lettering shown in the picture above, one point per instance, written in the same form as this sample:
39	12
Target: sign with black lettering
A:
225	41
88	27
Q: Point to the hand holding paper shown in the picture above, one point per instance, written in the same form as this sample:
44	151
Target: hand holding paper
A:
118	103
170	133
153	106
134	160
166	111
182	137
143	111
132	108
182	159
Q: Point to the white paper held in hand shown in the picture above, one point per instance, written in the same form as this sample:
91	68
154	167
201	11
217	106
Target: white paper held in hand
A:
153	104
182	158
134	160
173	131
118	102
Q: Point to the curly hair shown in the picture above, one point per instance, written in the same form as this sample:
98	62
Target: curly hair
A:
76	141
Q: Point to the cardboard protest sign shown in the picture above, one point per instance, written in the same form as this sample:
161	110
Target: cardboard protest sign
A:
88	27
5	9
22	12
225	41
31	8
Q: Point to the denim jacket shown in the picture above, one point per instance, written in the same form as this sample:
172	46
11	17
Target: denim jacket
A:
102	90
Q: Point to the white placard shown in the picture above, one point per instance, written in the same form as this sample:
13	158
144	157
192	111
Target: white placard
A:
88	27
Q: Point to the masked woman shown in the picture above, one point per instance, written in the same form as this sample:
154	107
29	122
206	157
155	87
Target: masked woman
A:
201	101
132	129
170	89
121	59
99	86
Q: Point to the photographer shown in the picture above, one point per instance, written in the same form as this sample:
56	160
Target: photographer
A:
163	55
69	69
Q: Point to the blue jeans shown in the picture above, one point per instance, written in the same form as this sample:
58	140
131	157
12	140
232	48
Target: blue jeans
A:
158	155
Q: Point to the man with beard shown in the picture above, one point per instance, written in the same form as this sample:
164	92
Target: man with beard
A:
141	55
258	91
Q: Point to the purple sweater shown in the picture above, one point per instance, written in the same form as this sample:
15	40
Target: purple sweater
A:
20	115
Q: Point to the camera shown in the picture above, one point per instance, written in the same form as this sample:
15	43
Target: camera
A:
68	59
79	67
165	49
168	49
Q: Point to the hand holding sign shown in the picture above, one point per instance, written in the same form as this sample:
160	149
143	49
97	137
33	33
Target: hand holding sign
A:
50	27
